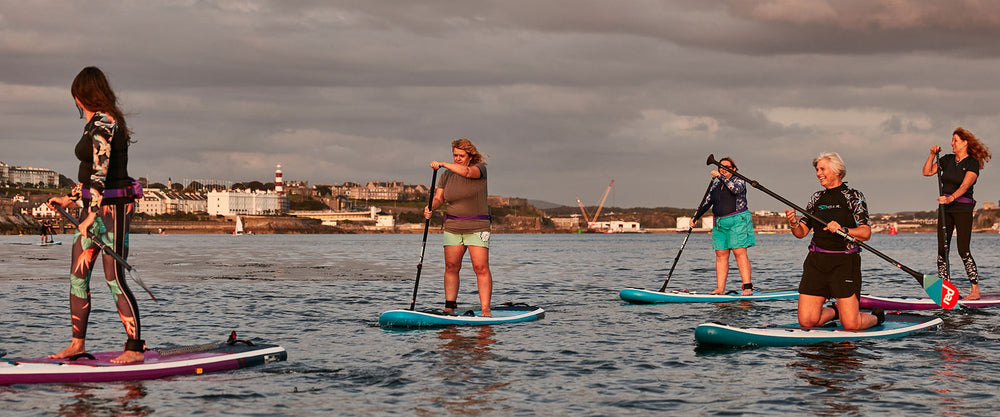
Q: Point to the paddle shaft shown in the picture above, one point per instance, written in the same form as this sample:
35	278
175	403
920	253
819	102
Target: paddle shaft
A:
842	232
108	250
941	219
663	288
423	244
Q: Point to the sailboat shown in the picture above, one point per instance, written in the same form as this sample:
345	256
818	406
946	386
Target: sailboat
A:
239	227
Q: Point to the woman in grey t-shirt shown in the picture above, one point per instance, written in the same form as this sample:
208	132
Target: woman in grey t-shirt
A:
466	221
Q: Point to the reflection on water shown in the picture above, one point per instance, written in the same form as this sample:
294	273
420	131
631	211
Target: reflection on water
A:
90	401
471	375
836	368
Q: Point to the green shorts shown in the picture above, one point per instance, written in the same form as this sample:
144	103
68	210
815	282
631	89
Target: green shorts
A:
734	231
467	239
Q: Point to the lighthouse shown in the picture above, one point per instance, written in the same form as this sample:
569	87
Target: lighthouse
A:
277	181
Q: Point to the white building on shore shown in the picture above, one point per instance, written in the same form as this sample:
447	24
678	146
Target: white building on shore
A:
257	203
156	201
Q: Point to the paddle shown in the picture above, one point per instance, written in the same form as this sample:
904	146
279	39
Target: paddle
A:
941	220
132	272
690	228
942	292
423	245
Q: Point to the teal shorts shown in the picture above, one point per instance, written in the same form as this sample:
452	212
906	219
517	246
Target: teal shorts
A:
467	239
734	231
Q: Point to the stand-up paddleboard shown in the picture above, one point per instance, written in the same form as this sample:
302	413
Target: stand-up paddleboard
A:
97	367
896	325
641	296
49	243
507	313
913	303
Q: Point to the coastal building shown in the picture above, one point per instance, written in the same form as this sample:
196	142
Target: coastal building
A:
380	190
684	223
160	201
615	226
256	203
30	175
333	218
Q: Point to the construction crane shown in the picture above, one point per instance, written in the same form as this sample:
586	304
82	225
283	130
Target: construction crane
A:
583	210
602	200
590	220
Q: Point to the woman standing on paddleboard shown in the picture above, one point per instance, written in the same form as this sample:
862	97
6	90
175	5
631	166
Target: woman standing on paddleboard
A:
732	230
108	195
466	221
959	172
832	268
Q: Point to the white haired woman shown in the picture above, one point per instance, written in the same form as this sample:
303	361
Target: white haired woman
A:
832	268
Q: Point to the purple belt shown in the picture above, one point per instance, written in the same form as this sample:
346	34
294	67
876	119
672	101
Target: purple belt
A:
735	212
134	191
813	247
477	217
962	199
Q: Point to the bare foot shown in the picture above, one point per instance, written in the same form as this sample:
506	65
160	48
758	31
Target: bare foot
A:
75	346
448	311
130	356
485	312
974	294
747	292
718	291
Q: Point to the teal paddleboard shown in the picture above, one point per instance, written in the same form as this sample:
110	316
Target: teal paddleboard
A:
896	325
641	296
515	313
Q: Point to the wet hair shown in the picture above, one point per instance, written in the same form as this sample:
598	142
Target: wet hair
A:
466	145
836	163
91	87
976	148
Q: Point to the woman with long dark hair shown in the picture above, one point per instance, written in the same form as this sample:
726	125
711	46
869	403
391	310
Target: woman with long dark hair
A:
107	195
959	173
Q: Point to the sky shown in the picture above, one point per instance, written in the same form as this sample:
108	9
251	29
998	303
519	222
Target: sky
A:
562	95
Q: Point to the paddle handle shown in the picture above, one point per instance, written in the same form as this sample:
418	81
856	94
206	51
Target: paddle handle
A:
423	244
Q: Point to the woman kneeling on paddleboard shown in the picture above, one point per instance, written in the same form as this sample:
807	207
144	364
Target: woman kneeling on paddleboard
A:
832	268
108	195
466	221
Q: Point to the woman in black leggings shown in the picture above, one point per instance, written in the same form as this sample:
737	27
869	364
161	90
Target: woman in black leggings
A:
959	172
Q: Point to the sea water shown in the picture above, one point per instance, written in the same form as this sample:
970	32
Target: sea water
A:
320	296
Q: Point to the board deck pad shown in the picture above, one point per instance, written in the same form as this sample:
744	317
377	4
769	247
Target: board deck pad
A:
158	363
507	313
642	296
896	325
915	303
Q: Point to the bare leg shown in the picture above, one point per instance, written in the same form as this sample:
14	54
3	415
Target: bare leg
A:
851	318
721	271
452	265
480	257
743	262
811	310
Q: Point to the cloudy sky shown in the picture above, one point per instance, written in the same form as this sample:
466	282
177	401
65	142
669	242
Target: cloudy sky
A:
563	95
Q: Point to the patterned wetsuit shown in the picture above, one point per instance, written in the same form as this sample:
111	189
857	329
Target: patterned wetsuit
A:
833	266
957	215
103	155
733	224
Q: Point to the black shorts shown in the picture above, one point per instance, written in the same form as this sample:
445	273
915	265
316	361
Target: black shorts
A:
831	275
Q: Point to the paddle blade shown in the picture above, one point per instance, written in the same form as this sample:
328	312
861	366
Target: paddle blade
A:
942	292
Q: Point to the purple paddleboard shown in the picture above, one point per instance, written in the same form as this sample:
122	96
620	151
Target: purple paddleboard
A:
913	303
159	363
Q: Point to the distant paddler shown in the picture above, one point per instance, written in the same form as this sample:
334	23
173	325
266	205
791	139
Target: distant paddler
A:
733	225
466	221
